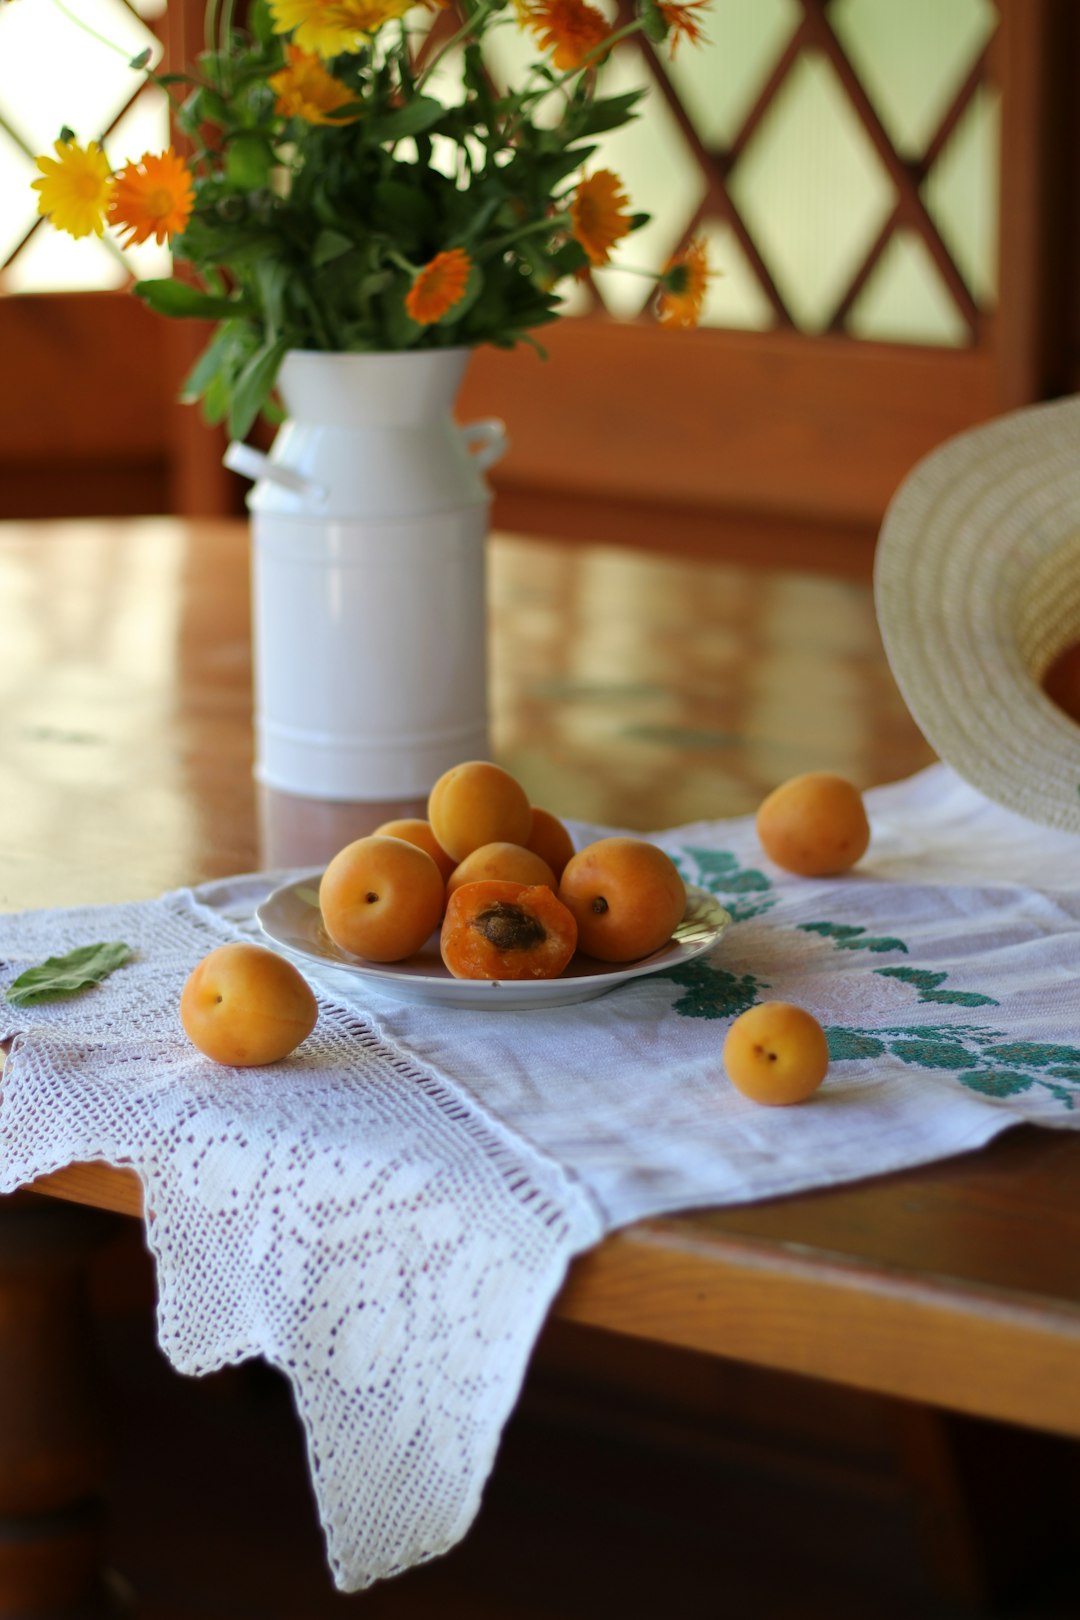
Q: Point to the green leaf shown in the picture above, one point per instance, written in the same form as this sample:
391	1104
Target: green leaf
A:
329	245
412	119
253	385
608	112
404	211
248	162
169	297
60	976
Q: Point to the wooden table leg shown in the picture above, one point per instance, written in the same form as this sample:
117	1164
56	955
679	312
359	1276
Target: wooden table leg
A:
53	1428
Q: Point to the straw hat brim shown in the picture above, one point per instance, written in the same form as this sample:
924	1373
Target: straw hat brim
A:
977	591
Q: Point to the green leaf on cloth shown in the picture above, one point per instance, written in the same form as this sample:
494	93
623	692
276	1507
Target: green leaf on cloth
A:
60	976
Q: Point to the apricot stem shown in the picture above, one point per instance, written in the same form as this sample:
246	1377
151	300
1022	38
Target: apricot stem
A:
599	905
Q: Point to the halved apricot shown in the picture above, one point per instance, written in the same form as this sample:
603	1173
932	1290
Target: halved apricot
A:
498	930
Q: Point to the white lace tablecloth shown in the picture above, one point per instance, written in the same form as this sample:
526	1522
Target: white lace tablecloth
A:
387	1215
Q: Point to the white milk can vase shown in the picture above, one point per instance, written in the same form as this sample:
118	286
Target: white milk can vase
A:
369	519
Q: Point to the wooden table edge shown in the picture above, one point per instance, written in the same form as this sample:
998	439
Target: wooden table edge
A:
793	1310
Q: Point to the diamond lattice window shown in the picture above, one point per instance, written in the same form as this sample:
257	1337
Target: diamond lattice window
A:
840	157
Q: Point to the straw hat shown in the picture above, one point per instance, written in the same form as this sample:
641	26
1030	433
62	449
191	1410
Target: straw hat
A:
977	590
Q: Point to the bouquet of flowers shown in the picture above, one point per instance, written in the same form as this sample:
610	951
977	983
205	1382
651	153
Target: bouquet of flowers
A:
328	199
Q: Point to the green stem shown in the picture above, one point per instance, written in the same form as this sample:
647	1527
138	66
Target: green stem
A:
470	27
86	28
552	222
587	60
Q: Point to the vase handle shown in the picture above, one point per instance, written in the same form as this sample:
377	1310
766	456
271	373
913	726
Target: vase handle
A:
251	463
489	436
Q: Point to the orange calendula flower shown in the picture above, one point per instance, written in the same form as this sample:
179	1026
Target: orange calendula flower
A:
313	25
438	286
153	198
569	29
682	24
304	89
598	216
75	188
683	286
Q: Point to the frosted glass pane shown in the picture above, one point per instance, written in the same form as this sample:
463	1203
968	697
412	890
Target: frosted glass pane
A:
54	262
812	191
905	299
18	204
86	83
912	57
719	82
734	297
961	194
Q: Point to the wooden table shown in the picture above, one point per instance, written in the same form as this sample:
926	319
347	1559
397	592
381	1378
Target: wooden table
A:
627	688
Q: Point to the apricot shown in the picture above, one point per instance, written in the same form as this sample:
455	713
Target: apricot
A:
776	1053
814	824
415	830
244	1005
550	840
510	863
497	930
626	896
381	897
478	803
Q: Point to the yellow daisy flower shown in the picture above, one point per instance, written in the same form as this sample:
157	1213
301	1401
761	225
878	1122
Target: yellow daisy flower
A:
363	17
598	216
153	197
313	26
683	286
438	286
75	188
304	89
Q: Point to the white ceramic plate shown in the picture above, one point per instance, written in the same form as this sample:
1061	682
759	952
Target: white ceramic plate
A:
290	919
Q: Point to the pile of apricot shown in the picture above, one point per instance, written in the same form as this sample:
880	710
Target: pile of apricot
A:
500	880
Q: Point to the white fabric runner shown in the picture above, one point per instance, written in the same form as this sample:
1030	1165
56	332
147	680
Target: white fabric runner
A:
388	1214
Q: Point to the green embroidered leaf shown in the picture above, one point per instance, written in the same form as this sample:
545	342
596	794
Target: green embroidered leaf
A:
846	937
60	976
845	1044
1037	1053
719	870
998	1082
921	978
934	1054
927	985
959	998
712	992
